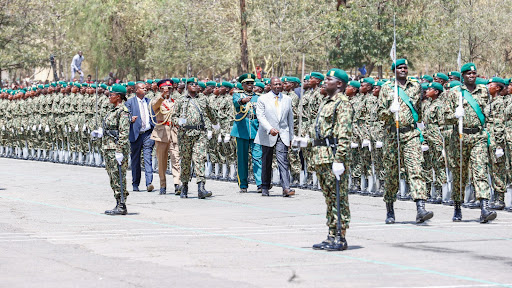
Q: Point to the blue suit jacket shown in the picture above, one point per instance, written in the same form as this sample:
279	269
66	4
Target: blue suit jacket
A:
243	127
133	106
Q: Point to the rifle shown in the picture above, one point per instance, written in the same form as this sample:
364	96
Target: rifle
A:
397	118
445	159
301	97
121	182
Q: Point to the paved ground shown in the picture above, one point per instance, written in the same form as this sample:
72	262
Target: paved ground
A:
53	234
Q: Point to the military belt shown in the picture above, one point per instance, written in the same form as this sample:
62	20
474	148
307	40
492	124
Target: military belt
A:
194	127
471	130
404	129
328	141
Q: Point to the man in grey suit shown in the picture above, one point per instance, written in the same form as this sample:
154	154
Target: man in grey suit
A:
274	112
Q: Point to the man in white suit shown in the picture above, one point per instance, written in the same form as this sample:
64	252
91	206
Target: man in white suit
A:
274	112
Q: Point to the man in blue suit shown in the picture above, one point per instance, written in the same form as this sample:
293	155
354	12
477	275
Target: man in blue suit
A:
141	127
244	129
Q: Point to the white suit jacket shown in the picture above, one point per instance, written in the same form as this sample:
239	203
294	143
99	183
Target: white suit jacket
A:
268	118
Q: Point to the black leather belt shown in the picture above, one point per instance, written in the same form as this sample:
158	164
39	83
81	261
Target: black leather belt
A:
325	141
404	129
471	130
194	127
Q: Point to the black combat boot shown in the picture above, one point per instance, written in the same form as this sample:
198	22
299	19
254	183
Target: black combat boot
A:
120	209
439	195
355	186
390	216
474	204
184	190
328	241
499	202
457	212
486	215
201	191
422	215
339	244
177	189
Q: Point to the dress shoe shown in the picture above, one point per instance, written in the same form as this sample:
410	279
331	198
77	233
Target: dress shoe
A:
390	216
243	190
184	191
264	192
457	213
422	214
259	189
162	191
136	189
321	245
288	192
486	215
151	187
177	189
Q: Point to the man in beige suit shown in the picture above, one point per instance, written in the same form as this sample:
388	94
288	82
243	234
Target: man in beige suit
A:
165	135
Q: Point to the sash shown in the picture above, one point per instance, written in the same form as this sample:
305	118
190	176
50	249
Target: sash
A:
472	102
407	101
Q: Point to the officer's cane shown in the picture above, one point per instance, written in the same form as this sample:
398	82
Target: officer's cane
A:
121	182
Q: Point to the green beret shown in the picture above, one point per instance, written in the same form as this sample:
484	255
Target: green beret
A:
61	82
246	78
368	80
227	85
131	83
267	82
355	84
437	86
46	85
116	88
497	80
507	81
424	86
217	85
149	81
175	80
454	74
40	86
296	80
211	83
399	62
103	85
468	67
184	80
33	88
338	73
307	77
380	83
318	75
239	86
427	77
481	81
260	84
192	80
124	84
138	82
454	83
442	76
257	80
54	84
64	85
286	79
92	86
201	84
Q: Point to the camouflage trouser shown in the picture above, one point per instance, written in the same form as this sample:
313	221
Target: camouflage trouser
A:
193	150
295	165
434	159
327	182
499	171
212	149
508	150
112	168
474	154
411	158
377	134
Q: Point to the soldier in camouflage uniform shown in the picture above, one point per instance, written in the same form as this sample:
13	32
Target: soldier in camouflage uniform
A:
293	154
407	104
474	146
377	135
361	126
331	134
190	114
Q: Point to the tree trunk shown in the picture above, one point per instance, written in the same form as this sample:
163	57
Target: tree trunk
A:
379	68
244	55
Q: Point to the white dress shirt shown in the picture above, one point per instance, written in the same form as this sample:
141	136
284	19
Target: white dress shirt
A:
144	114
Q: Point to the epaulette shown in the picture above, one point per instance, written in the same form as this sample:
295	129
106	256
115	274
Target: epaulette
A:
412	79
344	98
125	109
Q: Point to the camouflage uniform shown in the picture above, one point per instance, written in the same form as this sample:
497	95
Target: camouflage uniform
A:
322	157
192	140
411	154
293	153
117	121
376	130
474	152
496	129
508	135
360	157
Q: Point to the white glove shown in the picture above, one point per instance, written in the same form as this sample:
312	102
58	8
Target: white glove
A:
12	130
216	127
459	112
499	152
379	144
47	129
219	139
99	133
84	128
338	169
295	141
443	153
76	128
119	158
395	107
182	121
34	128
303	142
227	138
421	125
365	143
3	127
209	134
354	145
21	129
94	134
39	127
424	147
